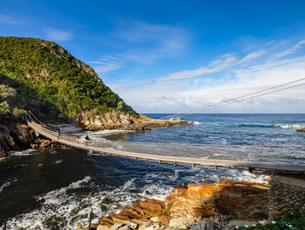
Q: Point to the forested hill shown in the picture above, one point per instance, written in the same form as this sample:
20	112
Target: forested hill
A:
41	75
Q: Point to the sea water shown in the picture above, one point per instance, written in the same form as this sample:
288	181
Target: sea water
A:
57	189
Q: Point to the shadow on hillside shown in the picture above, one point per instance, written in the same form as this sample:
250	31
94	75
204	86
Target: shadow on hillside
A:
27	98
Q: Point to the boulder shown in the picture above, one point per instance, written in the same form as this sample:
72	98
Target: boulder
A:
301	130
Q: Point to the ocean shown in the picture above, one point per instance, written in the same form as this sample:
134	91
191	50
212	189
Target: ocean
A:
57	189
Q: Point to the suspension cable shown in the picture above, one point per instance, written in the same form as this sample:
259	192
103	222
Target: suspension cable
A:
249	96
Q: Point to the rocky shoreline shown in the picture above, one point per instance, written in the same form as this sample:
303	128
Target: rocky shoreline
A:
16	135
114	120
226	204
275	203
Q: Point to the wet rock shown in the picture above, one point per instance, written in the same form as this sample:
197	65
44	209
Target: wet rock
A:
3	153
43	143
152	205
301	130
6	140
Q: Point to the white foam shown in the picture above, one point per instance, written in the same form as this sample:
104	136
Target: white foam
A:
73	209
7	184
156	191
290	126
21	153
58	161
197	123
104	133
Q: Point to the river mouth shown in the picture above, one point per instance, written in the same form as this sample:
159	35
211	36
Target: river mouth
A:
57	189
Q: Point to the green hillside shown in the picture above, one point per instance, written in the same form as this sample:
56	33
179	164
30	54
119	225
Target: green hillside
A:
41	75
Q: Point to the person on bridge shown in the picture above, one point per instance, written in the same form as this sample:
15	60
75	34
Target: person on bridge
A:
58	133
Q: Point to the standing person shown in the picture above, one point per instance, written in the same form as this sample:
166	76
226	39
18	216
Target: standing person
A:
58	133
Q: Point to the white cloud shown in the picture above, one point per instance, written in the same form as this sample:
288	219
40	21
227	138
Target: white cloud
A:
219	64
252	56
298	45
249	73
58	35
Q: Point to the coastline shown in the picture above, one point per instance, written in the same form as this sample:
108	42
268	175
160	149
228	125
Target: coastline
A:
18	136
189	205
226	204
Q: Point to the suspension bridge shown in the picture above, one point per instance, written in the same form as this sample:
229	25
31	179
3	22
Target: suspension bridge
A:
75	141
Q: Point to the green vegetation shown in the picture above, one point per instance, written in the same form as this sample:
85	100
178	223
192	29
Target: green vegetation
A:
295	222
43	73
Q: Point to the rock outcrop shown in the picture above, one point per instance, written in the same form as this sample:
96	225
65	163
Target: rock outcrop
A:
19	136
301	130
115	120
187	205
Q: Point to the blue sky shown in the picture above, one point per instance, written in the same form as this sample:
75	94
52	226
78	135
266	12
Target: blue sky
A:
176	56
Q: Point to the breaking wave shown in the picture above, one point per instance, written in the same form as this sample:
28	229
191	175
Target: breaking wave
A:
197	123
7	184
290	126
283	126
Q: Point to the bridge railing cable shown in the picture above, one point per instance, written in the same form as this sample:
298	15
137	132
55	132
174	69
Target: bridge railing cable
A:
248	97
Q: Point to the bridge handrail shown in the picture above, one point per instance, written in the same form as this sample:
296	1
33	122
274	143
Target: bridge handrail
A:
65	136
34	118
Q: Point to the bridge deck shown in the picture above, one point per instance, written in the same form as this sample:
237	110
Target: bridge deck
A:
74	141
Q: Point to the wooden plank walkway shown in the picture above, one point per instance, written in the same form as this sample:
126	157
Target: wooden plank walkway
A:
75	141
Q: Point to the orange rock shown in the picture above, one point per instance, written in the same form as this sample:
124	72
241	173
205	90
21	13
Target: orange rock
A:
131	213
139	221
106	221
24	126
180	190
202	190
151	213
301	130
164	220
93	226
139	210
118	218
152	205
